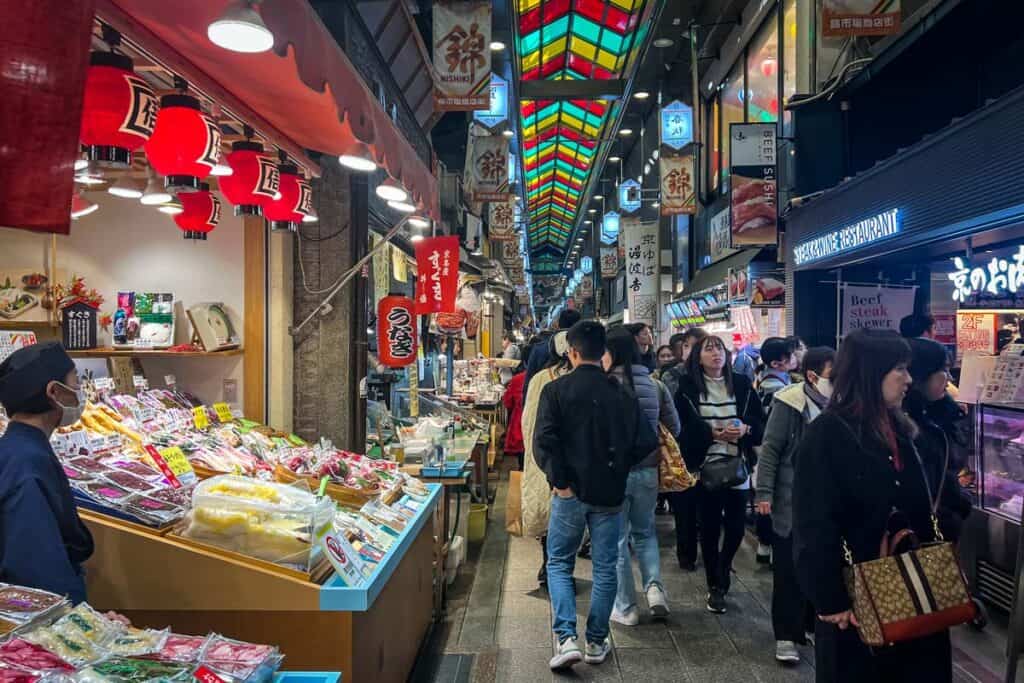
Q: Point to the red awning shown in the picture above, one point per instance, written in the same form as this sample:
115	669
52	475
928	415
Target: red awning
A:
305	88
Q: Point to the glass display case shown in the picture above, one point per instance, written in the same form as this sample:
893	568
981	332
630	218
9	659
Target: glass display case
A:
1001	460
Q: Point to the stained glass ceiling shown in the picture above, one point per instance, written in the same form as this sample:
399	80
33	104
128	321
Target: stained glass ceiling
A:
569	40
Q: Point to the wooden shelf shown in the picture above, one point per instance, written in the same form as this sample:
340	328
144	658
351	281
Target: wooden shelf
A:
107	352
27	325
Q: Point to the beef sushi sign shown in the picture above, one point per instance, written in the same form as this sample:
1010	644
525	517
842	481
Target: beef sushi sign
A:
753	201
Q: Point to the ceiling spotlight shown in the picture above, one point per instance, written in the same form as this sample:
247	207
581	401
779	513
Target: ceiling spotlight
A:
497	46
402	207
625	132
588	222
613	159
358	158
591	210
656	153
90	175
390	190
655	204
126	187
221	170
664	42
80	206
81	165
507	133
416	238
598	197
310	217
647	168
154	194
641	94
172	208
241	29
418	222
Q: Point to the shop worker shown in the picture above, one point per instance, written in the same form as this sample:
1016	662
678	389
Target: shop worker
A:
43	543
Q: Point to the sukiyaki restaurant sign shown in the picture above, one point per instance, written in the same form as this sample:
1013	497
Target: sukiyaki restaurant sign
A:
1000	282
850	237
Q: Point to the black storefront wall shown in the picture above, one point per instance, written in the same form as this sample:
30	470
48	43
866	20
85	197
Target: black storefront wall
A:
965	179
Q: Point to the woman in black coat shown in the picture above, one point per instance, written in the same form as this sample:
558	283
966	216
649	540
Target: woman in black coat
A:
857	464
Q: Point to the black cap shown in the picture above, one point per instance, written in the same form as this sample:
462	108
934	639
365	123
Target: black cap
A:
927	358
26	372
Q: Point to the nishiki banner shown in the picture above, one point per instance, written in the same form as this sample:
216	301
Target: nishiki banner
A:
487	173
875	307
501	220
755	218
437	274
677	192
845	18
510	255
609	262
641	241
462	55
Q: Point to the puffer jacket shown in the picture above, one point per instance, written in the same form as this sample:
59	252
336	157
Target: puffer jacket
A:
649	394
536	494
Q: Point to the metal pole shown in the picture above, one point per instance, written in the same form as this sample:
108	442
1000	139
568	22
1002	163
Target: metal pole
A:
839	306
358	237
697	109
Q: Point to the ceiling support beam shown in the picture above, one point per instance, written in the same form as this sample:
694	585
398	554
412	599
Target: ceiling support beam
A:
572	90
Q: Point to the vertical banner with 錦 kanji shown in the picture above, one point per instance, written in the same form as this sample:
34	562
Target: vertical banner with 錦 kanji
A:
501	220
487	173
511	256
609	262
641	241
462	56
437	274
677	193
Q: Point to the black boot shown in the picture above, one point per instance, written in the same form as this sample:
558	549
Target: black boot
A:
542	575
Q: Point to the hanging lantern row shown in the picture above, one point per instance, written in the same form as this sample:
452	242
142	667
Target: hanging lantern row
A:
200	213
185	145
119	110
292	203
254	179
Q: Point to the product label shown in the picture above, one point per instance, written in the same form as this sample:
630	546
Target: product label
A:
223	411
161	464
170	381
206	676
200	418
344	558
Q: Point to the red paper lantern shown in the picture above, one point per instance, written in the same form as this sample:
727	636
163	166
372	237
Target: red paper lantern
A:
396	331
254	178
118	112
185	145
293	203
201	213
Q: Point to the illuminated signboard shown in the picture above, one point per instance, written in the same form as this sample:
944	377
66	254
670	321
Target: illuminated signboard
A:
610	228
497	113
629	196
676	125
852	236
1001	277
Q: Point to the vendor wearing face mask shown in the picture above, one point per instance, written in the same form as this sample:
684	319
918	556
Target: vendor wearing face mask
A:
43	543
794	407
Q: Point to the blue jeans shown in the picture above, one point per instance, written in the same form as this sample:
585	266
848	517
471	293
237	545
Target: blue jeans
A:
569	517
638	522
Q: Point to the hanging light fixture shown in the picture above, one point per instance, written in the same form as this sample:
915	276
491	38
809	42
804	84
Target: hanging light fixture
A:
155	194
614	159
625	132
221	170
358	158
80	206
402	207
90	175
185	145
294	201
497	46
507	132
171	208
419	222
390	190
641	94
126	187
311	217
416	238
81	164
200	213
241	29
254	179
119	110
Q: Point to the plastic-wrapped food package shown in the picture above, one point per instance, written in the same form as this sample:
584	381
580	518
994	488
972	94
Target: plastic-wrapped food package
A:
133	642
179	648
105	492
266	520
152	510
12	675
22	604
19	653
136	467
85	622
125	670
236	661
88	465
74	650
180	497
75	474
129	481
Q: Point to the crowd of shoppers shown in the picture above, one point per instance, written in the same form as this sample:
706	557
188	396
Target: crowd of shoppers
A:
822	446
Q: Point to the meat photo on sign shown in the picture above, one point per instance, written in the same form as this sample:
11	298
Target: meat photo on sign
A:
753	210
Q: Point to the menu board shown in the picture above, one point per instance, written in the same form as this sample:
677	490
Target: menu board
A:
976	332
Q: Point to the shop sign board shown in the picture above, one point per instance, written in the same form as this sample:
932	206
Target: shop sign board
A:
944	331
845	18
718	236
976	332
676	125
997	284
863	232
462	55
78	324
876	308
610	228
677	191
437	274
501	219
641	240
609	262
396	331
753	199
629	196
488	169
497	112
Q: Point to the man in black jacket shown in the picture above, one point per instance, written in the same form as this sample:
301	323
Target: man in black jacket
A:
589	433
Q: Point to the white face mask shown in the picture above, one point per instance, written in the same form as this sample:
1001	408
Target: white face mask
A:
71	414
824	386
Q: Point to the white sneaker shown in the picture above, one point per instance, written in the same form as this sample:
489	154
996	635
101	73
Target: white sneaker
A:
657	601
786	652
598	652
568	654
631	617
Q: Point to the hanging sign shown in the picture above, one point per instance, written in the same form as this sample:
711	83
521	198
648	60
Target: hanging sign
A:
398	265
587	265
629	196
585	289
718	234
752	202
381	269
462	56
501	224
876	308
641	240
510	254
845	18
488	169
609	262
676	125
610	228
497	112
396	331
976	332
677	192
437	274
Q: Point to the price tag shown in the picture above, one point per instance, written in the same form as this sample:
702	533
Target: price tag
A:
200	418
78	442
173	464
170	381
223	411
204	675
344	558
103	383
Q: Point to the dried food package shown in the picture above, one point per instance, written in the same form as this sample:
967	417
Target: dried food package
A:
129	481
74	650
12	675
179	648
224	649
133	642
106	492
75	474
180	497
126	670
152	510
136	467
21	654
6	626
85	622
22	604
88	465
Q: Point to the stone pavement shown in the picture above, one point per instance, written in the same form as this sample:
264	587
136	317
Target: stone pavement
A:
498	623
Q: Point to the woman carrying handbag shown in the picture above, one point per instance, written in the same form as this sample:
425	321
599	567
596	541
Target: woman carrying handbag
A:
860	494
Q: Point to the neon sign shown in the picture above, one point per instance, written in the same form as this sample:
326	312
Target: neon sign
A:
850	237
1000	276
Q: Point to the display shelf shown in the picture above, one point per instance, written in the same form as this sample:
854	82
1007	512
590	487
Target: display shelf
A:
336	596
107	352
26	325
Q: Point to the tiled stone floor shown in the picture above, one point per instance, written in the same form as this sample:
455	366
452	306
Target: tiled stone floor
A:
497	626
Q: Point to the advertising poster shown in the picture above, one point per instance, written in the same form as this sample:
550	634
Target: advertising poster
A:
462	55
677	192
501	220
718	236
767	284
753	202
976	332
944	331
845	18
877	308
641	241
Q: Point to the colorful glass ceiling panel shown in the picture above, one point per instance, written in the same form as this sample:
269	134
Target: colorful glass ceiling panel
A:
569	40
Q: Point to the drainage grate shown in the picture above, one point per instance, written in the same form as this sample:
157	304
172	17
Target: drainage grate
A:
454	669
995	586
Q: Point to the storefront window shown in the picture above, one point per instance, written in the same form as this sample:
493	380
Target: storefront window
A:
732	112
714	160
789	54
763	73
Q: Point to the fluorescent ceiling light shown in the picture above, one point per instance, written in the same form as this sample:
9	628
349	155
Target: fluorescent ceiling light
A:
625	132
403	207
641	94
497	46
241	29
391	191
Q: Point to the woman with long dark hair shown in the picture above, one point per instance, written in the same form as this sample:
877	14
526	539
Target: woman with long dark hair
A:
858	475
722	422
